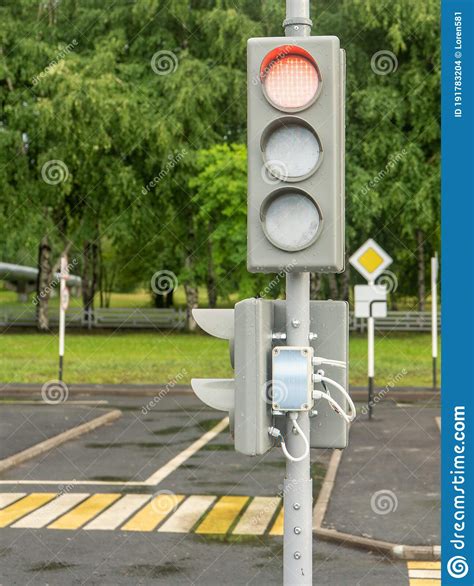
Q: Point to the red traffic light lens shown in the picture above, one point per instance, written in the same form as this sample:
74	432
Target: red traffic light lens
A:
290	78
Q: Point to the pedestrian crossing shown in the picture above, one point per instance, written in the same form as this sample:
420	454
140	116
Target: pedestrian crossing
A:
164	512
424	573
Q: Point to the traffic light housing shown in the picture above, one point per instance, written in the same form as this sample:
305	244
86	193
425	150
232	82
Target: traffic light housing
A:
295	154
254	328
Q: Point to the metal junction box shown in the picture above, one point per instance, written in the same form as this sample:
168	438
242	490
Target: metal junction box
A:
292	374
256	320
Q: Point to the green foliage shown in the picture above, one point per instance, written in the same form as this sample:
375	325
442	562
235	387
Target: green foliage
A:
155	167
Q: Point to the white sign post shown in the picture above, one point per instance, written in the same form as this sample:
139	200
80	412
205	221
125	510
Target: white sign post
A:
434	315
63	305
370	260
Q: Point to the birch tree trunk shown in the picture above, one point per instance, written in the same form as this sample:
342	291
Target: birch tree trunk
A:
333	290
211	275
89	280
315	286
192	295
43	284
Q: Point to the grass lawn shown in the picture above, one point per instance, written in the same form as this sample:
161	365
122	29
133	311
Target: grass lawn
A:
157	358
136	299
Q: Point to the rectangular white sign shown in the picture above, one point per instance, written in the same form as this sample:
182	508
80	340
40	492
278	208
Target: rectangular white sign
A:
370	300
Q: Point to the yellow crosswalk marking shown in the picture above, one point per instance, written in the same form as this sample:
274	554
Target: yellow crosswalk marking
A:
187	515
24	506
424	565
84	512
277	528
118	513
51	511
222	515
152	514
7	498
165	512
422	573
257	516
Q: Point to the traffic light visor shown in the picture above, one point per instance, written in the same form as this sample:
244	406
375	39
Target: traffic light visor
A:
290	78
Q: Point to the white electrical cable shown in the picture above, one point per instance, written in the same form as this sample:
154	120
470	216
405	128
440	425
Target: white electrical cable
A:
322	395
345	393
273	431
317	361
320	378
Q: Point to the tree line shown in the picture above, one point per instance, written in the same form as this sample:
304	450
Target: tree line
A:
123	131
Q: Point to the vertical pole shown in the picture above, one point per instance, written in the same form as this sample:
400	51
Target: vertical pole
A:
434	315
62	313
298	485
370	358
370	361
297	22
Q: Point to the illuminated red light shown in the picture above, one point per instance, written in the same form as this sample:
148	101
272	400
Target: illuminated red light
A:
291	81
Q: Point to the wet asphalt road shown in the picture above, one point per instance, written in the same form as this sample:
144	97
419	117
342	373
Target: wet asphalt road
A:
133	448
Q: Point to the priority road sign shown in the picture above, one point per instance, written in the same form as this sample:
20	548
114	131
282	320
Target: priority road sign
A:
370	260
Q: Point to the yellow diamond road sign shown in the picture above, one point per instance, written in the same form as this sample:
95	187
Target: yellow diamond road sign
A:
370	260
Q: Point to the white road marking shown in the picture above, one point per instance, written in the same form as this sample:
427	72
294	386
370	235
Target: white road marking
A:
188	514
258	515
7	498
175	462
424	574
51	511
154	479
119	512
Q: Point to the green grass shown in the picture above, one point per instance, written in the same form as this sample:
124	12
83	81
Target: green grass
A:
144	299
158	358
135	299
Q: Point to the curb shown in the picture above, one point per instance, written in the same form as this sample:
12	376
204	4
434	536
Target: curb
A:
13	389
57	440
393	550
151	390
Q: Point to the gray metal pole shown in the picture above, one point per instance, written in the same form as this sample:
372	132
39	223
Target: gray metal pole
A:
297	22
298	485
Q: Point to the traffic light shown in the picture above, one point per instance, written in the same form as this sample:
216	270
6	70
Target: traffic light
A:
247	397
260	394
218	393
296	154
253	376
